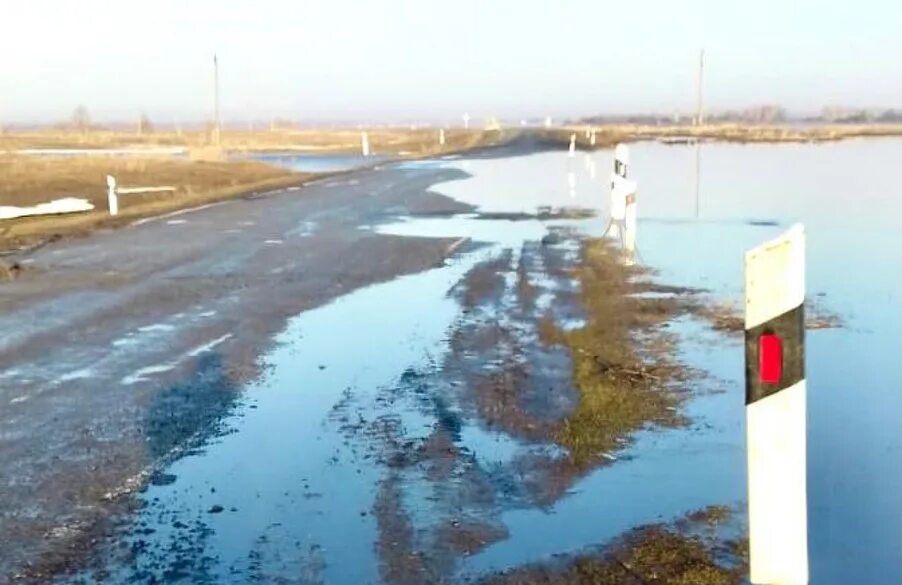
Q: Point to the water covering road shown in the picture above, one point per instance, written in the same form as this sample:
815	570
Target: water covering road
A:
284	491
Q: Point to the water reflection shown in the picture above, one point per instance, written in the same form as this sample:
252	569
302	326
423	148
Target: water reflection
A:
854	433
318	162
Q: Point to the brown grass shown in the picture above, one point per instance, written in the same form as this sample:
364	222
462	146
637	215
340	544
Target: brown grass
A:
29	180
390	141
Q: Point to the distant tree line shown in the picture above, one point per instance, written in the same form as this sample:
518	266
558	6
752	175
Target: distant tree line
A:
763	114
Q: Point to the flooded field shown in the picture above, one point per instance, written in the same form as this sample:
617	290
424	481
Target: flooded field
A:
848	196
364	454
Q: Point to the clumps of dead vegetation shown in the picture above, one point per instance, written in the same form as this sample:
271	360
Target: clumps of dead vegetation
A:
621	367
687	552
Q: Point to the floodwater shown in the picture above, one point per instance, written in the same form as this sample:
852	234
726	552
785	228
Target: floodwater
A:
318	162
849	196
287	494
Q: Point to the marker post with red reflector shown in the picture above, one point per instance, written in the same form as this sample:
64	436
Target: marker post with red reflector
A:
775	410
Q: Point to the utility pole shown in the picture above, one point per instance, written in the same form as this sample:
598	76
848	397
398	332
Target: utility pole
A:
699	116
217	126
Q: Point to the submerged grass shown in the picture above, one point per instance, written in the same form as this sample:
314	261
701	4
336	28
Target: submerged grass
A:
620	388
675	554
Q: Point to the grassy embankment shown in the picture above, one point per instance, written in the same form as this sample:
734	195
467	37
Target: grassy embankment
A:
28	180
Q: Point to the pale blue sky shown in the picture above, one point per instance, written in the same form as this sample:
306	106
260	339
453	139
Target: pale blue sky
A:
392	59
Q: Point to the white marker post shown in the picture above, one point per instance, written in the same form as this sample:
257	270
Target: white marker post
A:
466	121
548	122
623	195
365	144
441	137
112	196
592	138
775	409
572	145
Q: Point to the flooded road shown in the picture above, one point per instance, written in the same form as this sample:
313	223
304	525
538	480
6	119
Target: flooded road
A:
357	455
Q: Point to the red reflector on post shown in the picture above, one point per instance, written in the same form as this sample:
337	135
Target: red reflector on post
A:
770	358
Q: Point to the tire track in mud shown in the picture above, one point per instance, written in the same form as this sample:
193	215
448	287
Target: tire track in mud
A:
483	429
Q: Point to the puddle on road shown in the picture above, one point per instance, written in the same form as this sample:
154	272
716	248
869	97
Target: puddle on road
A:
289	485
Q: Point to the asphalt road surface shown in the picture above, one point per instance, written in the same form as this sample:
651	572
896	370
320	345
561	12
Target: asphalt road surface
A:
121	348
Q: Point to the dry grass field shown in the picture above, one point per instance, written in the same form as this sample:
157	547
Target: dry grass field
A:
27	180
390	141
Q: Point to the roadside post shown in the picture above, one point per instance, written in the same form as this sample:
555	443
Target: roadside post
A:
365	144
114	191
775	399
572	145
624	214
592	137
441	136
466	121
112	197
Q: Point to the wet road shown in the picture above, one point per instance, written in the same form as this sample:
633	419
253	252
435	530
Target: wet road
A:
120	348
